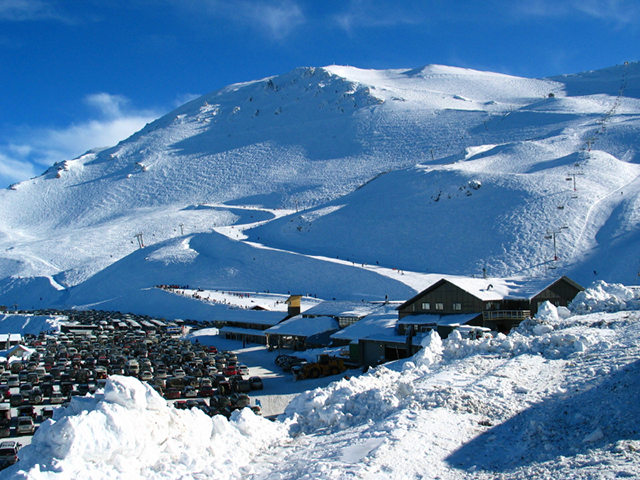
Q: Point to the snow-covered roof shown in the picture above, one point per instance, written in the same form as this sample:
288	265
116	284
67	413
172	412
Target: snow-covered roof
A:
381	325
343	309
243	331
438	320
20	351
268	318
497	289
11	337
34	324
304	327
260	317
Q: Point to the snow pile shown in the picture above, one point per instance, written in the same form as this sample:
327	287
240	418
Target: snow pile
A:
605	297
377	394
129	431
552	402
346	403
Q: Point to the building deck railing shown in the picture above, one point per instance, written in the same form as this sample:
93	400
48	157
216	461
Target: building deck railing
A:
506	314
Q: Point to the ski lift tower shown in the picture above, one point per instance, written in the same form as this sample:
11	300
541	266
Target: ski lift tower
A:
140	241
572	176
551	235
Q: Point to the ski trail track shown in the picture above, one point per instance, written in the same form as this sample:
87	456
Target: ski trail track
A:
600	214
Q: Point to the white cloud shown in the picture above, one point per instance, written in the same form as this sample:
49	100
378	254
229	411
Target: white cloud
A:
29	10
274	19
109	105
379	13
622	12
278	19
33	150
14	170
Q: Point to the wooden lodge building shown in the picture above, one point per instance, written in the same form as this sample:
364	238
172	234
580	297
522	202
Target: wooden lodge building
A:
498	304
376	332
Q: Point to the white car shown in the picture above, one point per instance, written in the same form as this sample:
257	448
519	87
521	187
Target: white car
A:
25	426
56	398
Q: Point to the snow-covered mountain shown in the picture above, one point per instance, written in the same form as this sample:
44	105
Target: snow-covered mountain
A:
325	180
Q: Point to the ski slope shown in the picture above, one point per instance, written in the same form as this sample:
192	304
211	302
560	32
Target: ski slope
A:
332	180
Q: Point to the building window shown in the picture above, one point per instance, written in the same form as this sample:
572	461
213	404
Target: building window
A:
439	306
457	306
346	321
426	306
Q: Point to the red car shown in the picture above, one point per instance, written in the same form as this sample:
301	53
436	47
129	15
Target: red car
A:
230	370
206	391
172	393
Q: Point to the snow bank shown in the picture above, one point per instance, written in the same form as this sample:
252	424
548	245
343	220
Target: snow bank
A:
605	297
377	394
129	432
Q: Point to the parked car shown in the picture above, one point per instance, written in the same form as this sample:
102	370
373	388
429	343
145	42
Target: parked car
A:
16	400
224	388
26	411
240	386
56	397
228	371
47	412
5	391
206	391
9	453
25	389
256	383
172	393
158	389
36	396
240	400
25	426
189	392
5	421
242	369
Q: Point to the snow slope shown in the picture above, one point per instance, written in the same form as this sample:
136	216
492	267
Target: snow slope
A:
340	163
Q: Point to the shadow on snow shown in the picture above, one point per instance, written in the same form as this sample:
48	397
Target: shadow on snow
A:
595	414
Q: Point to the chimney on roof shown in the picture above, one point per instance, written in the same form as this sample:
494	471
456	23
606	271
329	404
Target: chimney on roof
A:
294	305
484	272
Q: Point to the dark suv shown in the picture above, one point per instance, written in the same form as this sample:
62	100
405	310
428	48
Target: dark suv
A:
8	453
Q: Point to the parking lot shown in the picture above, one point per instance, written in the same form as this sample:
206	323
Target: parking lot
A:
188	374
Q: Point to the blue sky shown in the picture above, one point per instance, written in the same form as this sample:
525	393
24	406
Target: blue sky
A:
76	74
